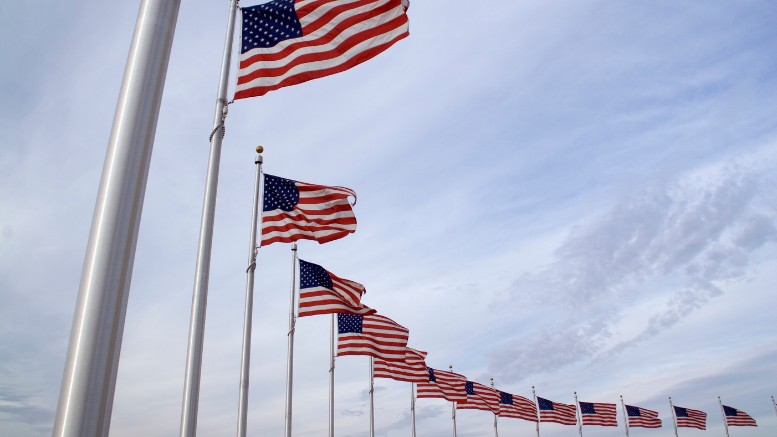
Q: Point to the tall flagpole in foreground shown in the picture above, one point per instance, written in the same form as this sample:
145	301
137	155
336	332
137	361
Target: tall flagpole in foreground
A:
245	363
723	413
292	327
191	387
89	378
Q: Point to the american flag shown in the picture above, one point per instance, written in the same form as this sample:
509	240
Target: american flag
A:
736	417
689	418
642	417
597	413
371	334
443	384
480	397
322	292
287	42
413	369
300	211
519	407
550	411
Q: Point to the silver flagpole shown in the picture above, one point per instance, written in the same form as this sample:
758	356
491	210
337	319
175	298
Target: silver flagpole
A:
625	416
372	397
579	416
496	430
245	364
775	406
723	413
191	387
89	378
332	378
674	417
412	406
292	324
537	406
453	407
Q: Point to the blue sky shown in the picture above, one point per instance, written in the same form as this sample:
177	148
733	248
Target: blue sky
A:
571	195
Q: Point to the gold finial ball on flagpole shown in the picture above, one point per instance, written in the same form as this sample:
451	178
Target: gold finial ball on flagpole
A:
259	149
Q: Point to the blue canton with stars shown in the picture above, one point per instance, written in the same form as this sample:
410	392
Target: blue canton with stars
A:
732	412
347	323
680	412
633	411
505	398
313	275
470	387
268	24
587	408
279	193
432	378
544	404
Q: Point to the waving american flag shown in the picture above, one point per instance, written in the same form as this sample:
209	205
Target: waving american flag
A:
322	292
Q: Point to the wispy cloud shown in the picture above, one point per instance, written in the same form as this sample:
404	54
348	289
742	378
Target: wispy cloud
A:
680	241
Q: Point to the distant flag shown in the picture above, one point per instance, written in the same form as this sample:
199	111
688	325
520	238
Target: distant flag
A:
689	418
642	417
443	384
300	211
412	369
550	411
371	334
322	292
519	407
597	413
287	42
736	417
480	397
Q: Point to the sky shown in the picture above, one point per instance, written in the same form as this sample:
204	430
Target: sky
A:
576	196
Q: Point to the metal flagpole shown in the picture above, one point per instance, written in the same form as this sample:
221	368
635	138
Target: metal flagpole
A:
245	364
579	416
191	388
674	417
496	430
723	413
332	378
412	405
290	334
89	377
453	407
775	406
372	397
537	406
625	416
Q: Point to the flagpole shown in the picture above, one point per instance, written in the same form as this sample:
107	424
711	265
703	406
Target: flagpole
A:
89	377
372	397
723	413
537	409
245	364
191	388
579	416
453	407
674	416
496	430
290	334
332	378
625	416
412	405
